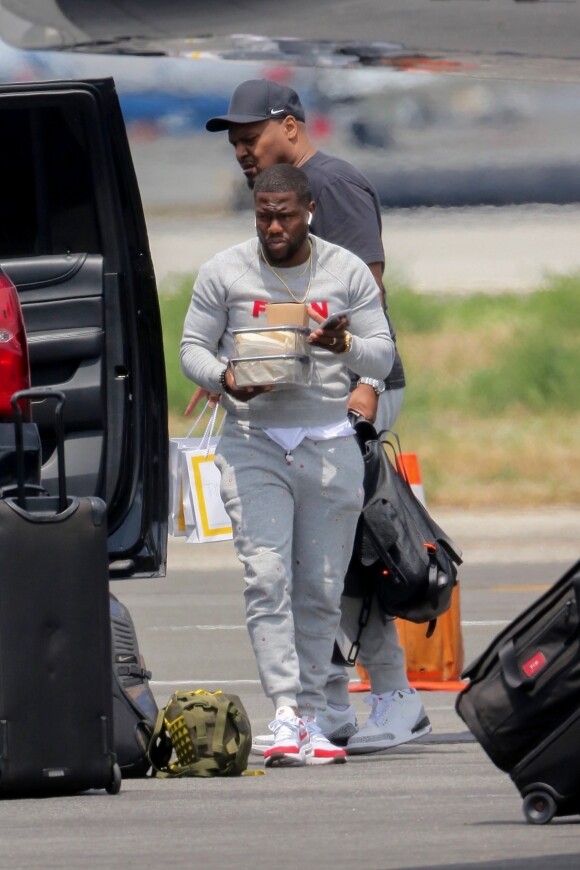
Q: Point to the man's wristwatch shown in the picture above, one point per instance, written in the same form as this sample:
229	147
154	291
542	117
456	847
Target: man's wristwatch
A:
347	342
222	380
378	386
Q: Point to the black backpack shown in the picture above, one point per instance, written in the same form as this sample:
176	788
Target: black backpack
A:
400	553
134	707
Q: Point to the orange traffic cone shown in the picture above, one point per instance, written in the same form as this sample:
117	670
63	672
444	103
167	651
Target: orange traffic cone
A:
432	662
363	684
408	467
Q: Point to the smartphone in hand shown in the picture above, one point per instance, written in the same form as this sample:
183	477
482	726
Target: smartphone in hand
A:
333	320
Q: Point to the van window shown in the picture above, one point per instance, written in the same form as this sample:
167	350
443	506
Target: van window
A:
45	165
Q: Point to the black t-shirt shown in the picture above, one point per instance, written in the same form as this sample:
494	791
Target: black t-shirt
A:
348	214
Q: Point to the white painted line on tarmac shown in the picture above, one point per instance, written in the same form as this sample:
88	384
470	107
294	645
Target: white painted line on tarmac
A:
196	627
466	623
472	622
439	709
193	681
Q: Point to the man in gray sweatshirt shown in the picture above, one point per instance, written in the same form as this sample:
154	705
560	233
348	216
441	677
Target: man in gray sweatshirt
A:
293	493
266	125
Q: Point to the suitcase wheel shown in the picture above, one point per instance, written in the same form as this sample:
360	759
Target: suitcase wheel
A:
114	786
539	807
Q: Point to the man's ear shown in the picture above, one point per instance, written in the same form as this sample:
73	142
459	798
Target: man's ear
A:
290	126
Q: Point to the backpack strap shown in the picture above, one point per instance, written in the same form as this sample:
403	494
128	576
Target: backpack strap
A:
244	741
159	749
221	750
363	619
433	586
133	671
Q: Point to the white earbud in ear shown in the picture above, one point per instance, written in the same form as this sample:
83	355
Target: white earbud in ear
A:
255	223
309	218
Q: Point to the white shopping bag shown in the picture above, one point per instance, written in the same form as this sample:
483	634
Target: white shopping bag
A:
181	519
203	495
176	524
186	503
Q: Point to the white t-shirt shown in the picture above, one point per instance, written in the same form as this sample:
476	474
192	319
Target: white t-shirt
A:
289	439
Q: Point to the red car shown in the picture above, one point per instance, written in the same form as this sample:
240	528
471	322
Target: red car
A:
14	376
14	365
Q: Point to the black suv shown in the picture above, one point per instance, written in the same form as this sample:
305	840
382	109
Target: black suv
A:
73	241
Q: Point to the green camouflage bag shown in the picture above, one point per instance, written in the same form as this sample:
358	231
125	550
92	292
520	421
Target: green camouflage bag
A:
201	733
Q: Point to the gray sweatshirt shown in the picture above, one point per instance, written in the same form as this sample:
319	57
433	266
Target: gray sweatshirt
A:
230	293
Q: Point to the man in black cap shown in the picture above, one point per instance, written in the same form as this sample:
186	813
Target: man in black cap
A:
258	100
265	123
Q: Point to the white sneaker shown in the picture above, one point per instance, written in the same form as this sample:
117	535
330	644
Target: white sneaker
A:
291	746
323	751
337	725
397	717
261	742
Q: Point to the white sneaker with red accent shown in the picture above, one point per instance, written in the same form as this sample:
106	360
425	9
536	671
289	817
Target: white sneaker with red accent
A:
291	746
323	751
337	725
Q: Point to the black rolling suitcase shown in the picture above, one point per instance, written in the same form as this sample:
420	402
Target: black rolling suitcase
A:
523	701
56	725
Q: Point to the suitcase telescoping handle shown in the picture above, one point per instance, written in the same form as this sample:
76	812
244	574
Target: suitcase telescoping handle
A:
40	393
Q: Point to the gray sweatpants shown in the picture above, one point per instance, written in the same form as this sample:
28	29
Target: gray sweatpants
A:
294	526
380	651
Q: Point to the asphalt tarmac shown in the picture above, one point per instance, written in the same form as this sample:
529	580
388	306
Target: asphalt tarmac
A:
453	251
436	803
196	202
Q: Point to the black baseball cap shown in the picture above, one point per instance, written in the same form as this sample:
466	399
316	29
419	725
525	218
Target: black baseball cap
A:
258	100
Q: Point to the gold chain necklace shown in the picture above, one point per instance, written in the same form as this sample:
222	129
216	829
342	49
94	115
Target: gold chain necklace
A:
281	279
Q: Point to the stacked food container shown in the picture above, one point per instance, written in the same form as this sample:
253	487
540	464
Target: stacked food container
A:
272	355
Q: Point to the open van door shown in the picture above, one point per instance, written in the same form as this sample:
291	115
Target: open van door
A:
74	243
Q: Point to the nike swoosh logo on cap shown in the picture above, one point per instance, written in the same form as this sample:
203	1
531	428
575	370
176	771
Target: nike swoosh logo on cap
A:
276	111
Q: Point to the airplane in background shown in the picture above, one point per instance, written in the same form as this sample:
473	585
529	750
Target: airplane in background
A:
170	95
178	63
482	38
